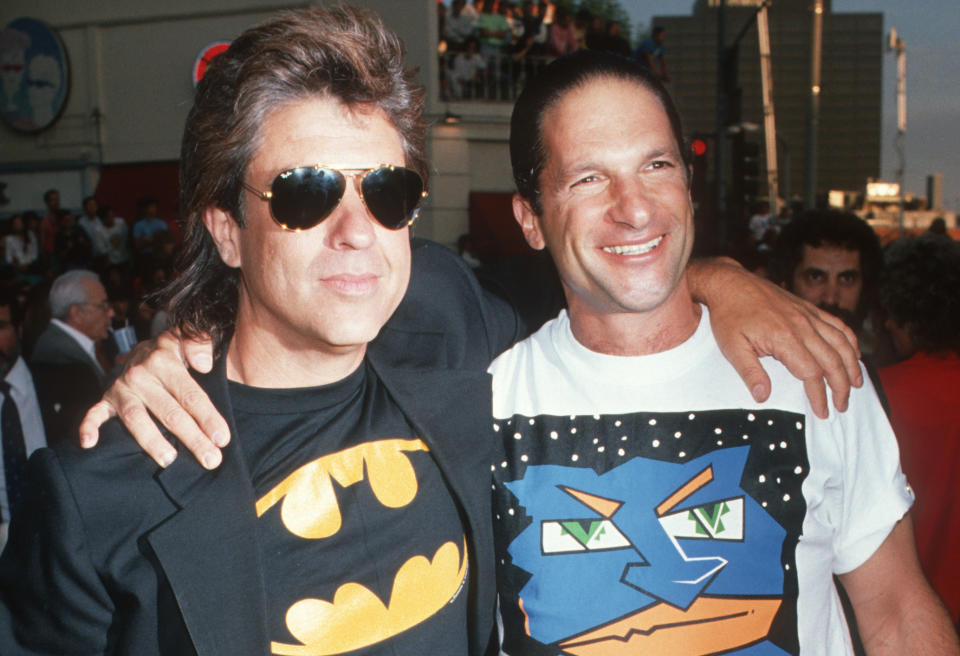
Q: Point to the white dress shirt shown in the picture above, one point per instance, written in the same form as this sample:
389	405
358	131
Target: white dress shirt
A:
25	397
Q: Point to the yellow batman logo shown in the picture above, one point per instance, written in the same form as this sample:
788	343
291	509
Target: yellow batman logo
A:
357	617
310	509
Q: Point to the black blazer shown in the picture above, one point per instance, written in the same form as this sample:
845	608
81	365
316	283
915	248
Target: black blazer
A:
113	555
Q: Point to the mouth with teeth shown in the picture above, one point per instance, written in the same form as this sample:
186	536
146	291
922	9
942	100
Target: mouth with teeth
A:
634	249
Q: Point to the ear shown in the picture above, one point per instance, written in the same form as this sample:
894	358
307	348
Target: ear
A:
529	222
73	315
225	233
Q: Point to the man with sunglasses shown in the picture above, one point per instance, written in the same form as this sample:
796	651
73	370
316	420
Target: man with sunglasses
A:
354	518
351	513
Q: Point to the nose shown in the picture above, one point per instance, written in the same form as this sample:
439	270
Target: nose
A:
351	226
831	292
631	204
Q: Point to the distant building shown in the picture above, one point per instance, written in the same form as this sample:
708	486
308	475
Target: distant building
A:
935	191
851	82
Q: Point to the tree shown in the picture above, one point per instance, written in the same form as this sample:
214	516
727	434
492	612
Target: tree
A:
610	10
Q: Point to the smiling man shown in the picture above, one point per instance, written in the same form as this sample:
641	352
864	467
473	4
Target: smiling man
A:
645	503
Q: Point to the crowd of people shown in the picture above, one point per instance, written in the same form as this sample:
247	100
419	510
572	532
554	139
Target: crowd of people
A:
490	47
133	258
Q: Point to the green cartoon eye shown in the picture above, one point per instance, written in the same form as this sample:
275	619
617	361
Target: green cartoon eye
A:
718	520
573	535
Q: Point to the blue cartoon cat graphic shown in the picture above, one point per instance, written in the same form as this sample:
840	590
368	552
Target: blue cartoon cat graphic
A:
650	557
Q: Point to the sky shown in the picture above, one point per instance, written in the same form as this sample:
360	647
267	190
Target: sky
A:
930	29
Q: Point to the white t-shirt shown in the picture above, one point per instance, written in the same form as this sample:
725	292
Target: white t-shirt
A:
649	501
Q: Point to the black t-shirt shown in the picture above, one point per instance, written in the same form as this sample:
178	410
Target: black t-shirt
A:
363	546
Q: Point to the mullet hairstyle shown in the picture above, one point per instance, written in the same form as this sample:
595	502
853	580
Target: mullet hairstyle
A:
341	52
527	151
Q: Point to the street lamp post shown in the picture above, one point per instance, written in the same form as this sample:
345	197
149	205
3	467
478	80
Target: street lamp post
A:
813	112
896	44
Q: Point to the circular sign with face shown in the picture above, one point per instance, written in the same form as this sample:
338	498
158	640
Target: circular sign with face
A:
34	75
205	57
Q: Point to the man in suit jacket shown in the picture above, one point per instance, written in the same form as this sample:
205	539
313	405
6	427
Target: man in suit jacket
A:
24	425
352	509
67	372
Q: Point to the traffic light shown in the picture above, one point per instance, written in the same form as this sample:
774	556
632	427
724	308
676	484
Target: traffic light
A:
745	165
751	168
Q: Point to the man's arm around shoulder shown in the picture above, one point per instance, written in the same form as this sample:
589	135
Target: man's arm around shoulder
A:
897	610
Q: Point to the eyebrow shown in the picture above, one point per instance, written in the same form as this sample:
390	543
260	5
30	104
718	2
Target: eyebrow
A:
601	505
684	491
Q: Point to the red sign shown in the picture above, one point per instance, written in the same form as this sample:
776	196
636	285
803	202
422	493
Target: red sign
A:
205	57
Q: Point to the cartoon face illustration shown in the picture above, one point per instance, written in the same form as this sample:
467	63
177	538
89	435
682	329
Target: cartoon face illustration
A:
650	557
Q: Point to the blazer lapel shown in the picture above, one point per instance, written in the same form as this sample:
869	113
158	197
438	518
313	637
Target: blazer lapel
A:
451	409
208	549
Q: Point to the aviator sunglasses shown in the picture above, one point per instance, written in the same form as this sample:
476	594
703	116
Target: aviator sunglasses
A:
302	197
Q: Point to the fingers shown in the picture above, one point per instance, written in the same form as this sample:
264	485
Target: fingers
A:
811	356
155	386
804	353
816	347
844	341
141	425
747	363
96	417
817	394
198	353
163	385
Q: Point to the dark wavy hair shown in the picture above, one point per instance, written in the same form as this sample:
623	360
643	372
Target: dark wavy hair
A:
340	52
920	290
818	228
527	151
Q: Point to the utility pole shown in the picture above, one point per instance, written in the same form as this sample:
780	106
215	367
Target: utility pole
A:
813	112
723	105
729	119
769	118
896	44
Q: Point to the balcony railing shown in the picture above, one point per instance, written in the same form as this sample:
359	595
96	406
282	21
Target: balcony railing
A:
498	78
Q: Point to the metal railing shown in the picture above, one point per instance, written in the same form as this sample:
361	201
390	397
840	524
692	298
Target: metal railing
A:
497	78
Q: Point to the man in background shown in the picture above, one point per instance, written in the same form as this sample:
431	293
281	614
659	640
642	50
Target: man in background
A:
21	427
832	259
50	221
652	54
68	367
91	224
918	291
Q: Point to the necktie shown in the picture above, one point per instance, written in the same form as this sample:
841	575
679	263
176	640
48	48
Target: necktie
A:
14	450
